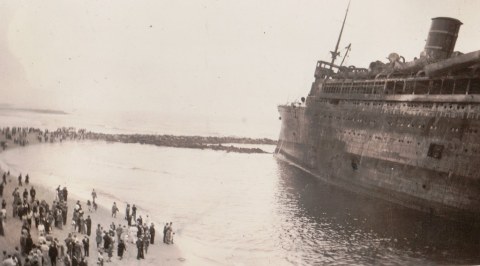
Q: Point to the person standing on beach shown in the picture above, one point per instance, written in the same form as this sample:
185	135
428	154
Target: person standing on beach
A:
94	195
119	232
64	212
165	228
140	249
86	246
170	233
20	180
110	252
146	241
65	193
33	193
88	222
129	220
29	244
27	179
127	212
25	195
1	190
152	234
59	193
4	180
114	210
106	240
53	253
121	248
89	206
134	212
98	237
3	212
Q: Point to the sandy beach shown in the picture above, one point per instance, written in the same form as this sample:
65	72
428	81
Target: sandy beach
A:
158	253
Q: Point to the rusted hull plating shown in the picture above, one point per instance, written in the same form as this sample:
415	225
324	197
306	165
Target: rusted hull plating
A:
419	151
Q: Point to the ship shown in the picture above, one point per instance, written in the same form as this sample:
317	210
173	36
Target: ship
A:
405	132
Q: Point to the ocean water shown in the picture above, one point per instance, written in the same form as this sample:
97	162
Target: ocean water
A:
247	209
146	123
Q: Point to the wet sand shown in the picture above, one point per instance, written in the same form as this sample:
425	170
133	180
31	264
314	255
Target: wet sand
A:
158	253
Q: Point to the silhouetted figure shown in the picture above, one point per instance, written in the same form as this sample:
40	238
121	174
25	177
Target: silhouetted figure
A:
33	193
165	228
140	254
134	212
86	246
121	249
88	222
53	253
152	234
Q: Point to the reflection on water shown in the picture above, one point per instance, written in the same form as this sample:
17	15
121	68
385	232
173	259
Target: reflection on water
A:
247	209
324	224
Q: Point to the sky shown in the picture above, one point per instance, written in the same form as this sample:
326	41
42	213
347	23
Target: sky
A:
231	59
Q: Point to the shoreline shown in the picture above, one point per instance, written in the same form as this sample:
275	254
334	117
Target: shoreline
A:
158	253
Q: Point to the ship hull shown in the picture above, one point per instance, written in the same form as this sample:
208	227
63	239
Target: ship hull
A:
390	149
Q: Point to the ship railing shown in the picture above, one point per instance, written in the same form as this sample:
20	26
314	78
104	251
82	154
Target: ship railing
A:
418	86
326	70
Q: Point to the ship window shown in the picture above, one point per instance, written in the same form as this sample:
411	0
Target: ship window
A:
421	87
474	86
449	86
461	86
399	87
435	151
378	87
409	85
389	89
436	87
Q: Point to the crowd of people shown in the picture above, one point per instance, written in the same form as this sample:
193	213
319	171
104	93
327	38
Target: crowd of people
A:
39	220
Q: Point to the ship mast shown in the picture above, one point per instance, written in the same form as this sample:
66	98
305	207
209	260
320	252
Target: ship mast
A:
336	53
348	48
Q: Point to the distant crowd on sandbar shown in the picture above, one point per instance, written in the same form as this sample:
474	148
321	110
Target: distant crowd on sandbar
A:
38	246
19	135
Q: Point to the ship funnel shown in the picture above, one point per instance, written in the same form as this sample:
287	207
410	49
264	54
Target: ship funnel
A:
442	37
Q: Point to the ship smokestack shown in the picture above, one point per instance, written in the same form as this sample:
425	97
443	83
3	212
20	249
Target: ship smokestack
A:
442	37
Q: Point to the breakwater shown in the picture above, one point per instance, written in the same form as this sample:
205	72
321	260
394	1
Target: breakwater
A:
193	142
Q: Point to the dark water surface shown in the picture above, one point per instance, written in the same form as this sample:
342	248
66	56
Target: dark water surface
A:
339	227
248	209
